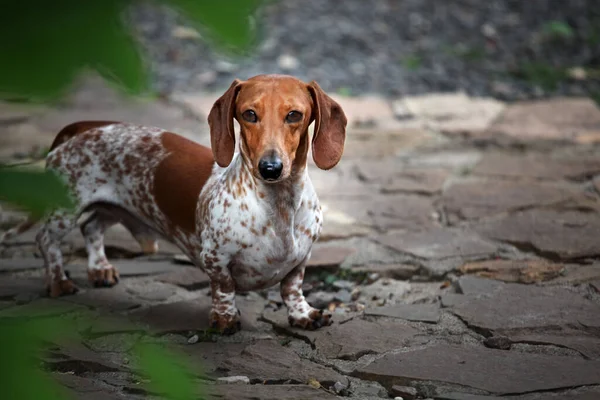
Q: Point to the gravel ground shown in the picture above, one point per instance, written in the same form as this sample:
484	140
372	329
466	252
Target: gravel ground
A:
510	49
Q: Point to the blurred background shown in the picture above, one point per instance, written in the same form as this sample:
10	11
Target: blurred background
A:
509	49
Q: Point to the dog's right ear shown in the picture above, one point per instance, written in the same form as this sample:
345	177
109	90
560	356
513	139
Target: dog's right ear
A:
220	121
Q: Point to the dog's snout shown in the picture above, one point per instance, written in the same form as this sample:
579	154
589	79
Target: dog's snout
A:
270	167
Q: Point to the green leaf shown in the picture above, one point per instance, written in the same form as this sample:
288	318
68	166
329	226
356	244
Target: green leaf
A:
35	191
20	343
46	44
558	29
166	372
228	23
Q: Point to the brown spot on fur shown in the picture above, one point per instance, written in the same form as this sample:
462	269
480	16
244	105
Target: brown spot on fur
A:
76	128
179	178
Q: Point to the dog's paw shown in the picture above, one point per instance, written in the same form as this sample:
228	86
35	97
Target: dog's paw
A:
225	324
105	277
63	287
312	320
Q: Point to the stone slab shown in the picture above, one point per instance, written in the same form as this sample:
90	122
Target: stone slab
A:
517	271
587	345
350	337
411	312
536	167
269	392
576	274
465	396
563	119
557	234
115	298
418	181
473	199
438	243
12	287
512	373
41	308
268	361
513	308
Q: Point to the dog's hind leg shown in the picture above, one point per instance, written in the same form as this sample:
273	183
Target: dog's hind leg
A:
56	227
100	272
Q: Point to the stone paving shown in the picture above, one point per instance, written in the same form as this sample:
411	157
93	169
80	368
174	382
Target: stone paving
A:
460	256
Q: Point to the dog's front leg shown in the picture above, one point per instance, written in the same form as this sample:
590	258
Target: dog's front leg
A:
300	313
224	315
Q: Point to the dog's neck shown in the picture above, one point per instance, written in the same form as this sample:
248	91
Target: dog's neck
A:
283	197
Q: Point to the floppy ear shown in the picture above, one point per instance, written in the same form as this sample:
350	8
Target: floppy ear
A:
220	121
330	128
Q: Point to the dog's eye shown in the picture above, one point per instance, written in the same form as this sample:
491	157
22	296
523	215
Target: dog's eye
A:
249	116
293	116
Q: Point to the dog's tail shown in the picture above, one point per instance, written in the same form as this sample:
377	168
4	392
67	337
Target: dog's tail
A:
17	230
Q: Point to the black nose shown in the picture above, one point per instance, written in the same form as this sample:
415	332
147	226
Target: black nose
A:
270	168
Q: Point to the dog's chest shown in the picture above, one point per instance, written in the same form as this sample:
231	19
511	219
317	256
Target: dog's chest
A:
262	241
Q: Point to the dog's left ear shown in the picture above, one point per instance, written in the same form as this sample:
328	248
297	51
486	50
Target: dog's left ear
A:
330	128
220	121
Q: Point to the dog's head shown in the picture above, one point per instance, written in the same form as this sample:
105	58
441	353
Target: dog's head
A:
274	112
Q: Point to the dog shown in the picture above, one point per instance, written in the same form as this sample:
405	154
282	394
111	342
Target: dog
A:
248	218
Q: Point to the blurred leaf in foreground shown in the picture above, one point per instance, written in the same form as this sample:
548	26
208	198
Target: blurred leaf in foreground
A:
20	344
34	191
46	44
166	372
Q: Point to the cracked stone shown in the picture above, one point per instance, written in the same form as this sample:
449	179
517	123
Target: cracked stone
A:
577	274
151	291
512	372
474	199
268	361
114	299
190	278
205	357
41	308
510	308
466	396
84	385
517	271
587	345
411	312
75	357
416	180
439	243
422	181
384	291
350	339
269	392
556	234
536	167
